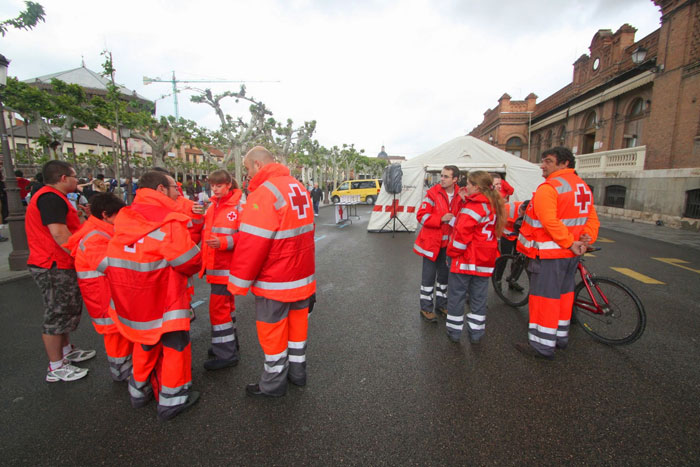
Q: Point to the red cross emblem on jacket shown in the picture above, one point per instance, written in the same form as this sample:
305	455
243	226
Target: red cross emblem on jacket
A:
231	216
299	201
583	198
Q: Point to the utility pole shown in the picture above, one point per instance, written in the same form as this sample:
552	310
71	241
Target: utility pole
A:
174	82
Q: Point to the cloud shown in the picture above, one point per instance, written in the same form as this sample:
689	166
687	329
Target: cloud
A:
408	74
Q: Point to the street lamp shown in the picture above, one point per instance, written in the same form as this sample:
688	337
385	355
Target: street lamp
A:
20	250
125	133
639	55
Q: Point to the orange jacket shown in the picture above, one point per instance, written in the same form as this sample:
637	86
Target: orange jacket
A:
474	246
274	255
511	210
561	211
148	262
221	220
89	246
435	234
506	190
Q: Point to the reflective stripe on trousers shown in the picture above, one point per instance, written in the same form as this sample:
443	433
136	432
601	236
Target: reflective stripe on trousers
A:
282	331
551	300
434	273
222	316
459	287
118	349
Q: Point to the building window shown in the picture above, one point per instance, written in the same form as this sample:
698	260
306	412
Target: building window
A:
692	204
637	108
514	146
589	129
633	123
615	196
561	137
70	150
91	151
548	139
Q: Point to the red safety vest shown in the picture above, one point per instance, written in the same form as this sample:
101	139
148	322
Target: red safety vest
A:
435	234
574	210
221	220
43	249
474	246
89	246
274	255
148	263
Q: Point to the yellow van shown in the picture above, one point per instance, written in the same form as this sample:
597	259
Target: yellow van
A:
368	190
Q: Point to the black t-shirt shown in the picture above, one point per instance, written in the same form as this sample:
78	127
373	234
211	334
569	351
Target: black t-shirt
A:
53	209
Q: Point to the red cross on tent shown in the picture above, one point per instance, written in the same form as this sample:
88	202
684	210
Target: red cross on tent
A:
582	198
394	208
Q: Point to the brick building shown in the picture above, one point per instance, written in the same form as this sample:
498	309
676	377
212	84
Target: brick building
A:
631	115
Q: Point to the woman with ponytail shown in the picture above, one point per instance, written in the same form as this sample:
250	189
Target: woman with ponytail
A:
473	249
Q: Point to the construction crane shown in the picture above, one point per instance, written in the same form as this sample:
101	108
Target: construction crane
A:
174	82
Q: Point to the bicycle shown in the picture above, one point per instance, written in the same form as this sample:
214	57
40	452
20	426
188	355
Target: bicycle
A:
608	310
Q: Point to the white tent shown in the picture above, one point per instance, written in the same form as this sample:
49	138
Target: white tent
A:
467	153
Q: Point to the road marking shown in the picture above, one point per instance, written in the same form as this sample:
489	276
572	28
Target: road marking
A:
319	238
590	255
604	240
197	303
636	275
677	262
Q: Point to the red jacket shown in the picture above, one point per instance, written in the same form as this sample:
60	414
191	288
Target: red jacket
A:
23	185
274	255
435	234
474	246
561	211
221	220
43	249
148	263
89	247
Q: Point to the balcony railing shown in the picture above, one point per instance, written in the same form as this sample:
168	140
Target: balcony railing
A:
618	160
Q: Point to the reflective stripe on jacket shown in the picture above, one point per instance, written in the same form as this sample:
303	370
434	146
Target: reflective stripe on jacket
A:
434	233
512	210
221	220
148	262
89	246
43	249
474	246
561	210
274	254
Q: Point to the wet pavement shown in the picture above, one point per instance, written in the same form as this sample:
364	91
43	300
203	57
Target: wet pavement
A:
385	387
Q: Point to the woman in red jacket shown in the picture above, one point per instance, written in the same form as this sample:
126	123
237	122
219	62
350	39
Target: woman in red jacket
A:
473	248
220	224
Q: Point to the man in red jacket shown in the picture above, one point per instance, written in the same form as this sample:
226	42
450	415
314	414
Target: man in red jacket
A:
274	257
436	214
49	222
149	260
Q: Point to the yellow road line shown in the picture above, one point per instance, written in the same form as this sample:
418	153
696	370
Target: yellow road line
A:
591	255
604	240
638	276
677	262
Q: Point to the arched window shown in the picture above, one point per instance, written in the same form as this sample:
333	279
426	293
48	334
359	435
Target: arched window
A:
692	204
615	196
561	135
514	146
589	129
548	139
633	123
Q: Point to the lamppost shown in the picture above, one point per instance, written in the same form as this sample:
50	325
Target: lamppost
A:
20	250
125	135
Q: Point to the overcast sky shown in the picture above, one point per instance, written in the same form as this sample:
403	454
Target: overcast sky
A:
409	75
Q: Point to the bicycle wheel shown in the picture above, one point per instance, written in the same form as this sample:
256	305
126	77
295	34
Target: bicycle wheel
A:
619	317
510	279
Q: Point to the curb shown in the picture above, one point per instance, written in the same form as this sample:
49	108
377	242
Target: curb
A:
15	277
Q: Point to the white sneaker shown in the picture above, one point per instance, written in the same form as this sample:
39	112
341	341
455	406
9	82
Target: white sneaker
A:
67	372
316	215
79	355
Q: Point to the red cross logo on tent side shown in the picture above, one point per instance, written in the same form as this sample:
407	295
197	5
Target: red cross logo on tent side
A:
390	208
582	198
298	200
